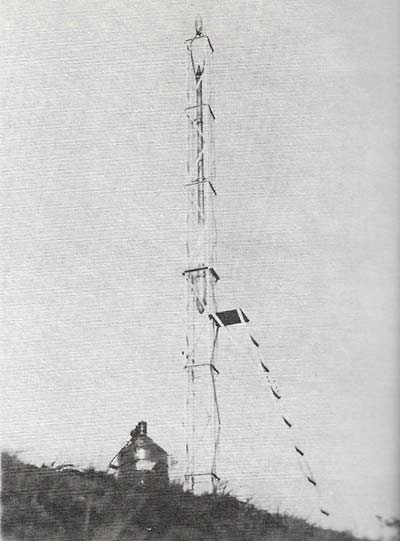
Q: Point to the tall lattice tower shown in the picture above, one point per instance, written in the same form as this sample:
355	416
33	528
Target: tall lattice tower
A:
203	320
202	414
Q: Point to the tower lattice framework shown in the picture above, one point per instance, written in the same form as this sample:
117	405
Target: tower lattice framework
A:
203	319
202	412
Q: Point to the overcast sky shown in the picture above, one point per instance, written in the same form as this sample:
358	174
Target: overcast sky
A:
93	149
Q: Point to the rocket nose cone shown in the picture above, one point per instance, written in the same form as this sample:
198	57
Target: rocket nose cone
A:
199	25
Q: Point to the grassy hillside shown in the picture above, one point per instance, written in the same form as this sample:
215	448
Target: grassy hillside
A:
46	503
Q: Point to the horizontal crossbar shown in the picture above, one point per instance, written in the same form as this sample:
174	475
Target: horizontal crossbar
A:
191	40
202	364
203	181
212	271
203	474
201	105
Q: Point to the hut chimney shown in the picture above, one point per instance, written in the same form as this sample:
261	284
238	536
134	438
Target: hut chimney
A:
141	428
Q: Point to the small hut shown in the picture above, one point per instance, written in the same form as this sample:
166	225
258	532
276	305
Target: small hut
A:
141	462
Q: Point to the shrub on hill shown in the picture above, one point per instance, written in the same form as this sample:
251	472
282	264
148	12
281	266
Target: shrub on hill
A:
64	504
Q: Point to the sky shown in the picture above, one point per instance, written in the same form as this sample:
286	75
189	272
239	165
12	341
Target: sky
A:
93	158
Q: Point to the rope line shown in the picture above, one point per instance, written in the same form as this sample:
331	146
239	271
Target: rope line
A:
303	463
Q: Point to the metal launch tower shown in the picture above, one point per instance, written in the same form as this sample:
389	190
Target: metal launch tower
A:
202	413
203	321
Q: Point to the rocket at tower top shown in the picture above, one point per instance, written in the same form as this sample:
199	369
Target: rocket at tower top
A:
199	46
198	25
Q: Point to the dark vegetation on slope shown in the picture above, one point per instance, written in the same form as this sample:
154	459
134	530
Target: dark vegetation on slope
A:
47	503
